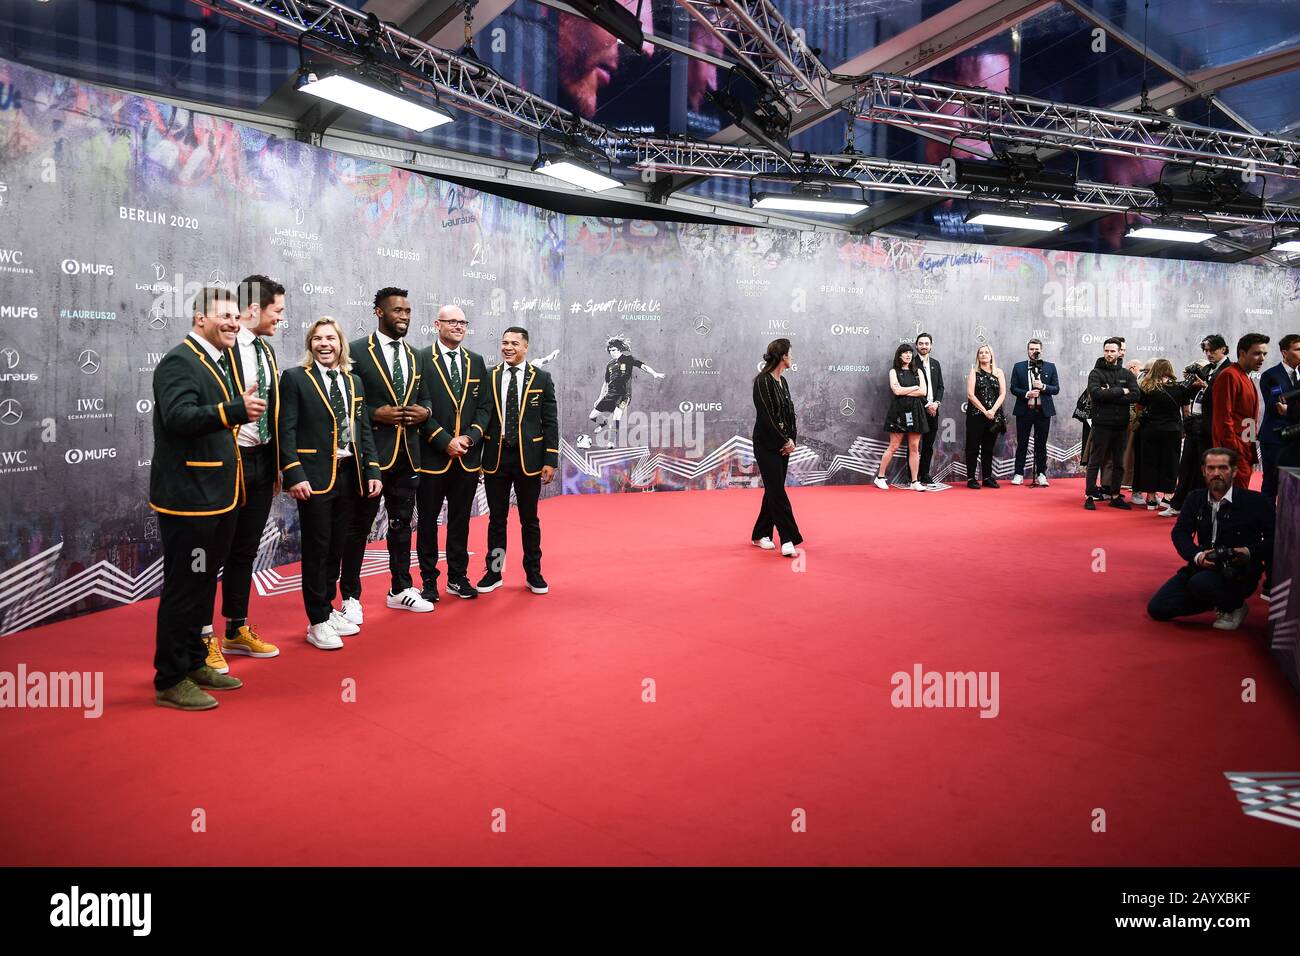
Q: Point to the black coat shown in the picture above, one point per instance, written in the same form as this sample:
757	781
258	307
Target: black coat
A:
196	469
1245	522
309	431
539	423
452	415
272	413
774	417
1106	390
373	370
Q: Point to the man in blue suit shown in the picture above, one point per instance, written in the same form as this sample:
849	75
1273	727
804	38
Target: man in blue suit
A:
1033	382
1281	378
1225	535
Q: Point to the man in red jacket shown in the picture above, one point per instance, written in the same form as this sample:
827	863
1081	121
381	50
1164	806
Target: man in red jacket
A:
1236	405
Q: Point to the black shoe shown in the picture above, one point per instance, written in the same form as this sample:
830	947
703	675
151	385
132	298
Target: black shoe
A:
461	588
537	583
1121	504
973	484
489	582
991	483
430	594
1089	504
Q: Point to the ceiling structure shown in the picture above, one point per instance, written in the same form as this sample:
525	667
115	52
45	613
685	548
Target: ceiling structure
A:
1124	99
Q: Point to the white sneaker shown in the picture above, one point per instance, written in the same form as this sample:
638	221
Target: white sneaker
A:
787	549
409	600
1137	498
882	484
342	626
765	543
352	611
1017	479
1041	481
917	486
324	636
936	486
1169	511
1231	620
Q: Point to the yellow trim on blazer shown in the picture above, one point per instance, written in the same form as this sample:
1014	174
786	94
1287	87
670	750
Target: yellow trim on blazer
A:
334	425
205	464
388	383
239	460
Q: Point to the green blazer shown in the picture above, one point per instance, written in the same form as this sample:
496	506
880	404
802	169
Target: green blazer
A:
309	431
539	423
371	367
272	412
196	469
452	414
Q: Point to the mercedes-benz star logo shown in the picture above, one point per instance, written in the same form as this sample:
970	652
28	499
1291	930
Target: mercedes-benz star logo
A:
88	361
11	412
702	324
847	406
157	319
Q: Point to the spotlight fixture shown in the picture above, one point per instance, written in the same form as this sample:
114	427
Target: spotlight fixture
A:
377	96
808	197
1168	234
1016	172
614	18
1015	220
571	168
761	121
1221	194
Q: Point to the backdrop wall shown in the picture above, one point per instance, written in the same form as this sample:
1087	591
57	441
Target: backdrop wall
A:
113	206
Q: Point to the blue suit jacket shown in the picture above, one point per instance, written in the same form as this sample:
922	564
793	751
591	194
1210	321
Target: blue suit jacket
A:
1020	385
1275	380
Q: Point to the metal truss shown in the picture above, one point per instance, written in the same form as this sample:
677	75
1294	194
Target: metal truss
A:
961	112
759	37
689	157
345	34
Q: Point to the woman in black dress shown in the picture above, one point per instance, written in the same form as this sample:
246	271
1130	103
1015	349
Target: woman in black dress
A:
986	390
1159	435
774	438
906	416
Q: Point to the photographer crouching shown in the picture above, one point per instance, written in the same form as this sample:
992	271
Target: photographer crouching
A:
1226	535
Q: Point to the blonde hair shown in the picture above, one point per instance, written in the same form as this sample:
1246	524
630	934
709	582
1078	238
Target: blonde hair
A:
345	360
1158	373
993	359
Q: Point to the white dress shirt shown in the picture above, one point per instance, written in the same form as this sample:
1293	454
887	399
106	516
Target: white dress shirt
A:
214	353
386	346
519	384
929	386
1214	514
250	357
344	452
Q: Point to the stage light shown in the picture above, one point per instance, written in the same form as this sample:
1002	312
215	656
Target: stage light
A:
762	125
808	197
1167	234
614	18
571	169
1223	195
1291	245
367	95
1013	172
1012	221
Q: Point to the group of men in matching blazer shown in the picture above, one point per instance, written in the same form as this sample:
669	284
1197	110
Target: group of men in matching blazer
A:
351	424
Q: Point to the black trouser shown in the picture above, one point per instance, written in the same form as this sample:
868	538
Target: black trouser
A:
325	521
775	511
400	484
456	486
1155	464
1196	590
1108	444
980	439
193	551
528	488
1268	455
1037	421
260	472
1189	467
927	450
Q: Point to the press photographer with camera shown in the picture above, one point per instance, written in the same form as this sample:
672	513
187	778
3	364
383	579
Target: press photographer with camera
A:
1199	379
1225	534
1279	413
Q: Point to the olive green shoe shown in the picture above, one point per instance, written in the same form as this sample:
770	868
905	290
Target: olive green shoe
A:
185	696
209	679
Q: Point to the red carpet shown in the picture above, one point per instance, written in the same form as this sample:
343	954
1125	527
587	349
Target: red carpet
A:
773	693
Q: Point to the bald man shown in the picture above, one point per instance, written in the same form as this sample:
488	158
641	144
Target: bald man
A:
454	380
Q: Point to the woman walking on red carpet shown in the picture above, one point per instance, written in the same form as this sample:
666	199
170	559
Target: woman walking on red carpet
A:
906	416
774	438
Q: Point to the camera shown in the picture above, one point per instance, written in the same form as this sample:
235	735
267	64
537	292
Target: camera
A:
1192	373
1228	561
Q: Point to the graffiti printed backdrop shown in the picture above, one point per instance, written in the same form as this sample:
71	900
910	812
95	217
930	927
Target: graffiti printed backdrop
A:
111	204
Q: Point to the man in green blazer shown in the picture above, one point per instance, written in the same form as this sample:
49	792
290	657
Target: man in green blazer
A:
195	486
521	450
327	454
455	386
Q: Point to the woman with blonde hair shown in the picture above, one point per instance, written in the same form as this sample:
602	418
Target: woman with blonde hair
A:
986	390
1161	397
327	455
